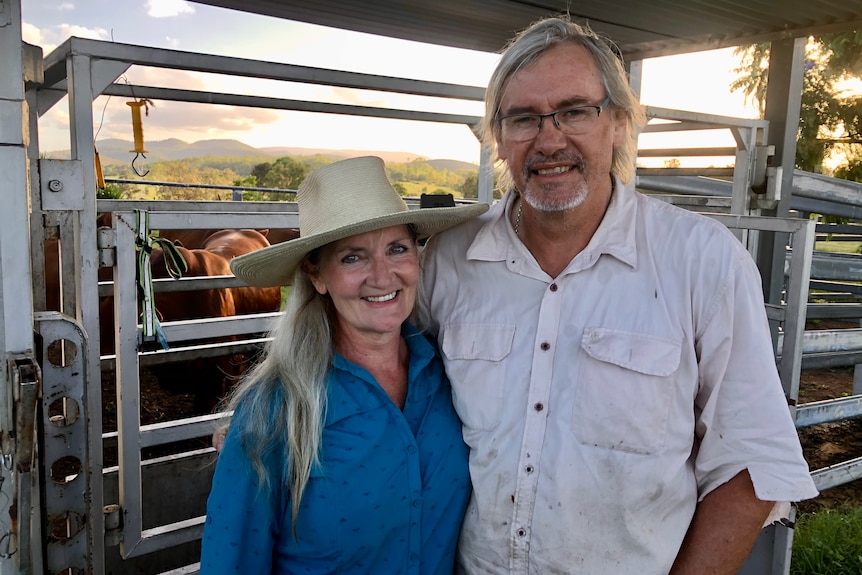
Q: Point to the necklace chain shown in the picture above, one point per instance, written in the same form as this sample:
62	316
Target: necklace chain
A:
518	217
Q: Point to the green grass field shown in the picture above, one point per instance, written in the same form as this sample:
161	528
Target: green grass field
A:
838	247
415	189
828	542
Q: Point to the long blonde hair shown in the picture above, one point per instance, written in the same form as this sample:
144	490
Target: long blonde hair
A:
284	396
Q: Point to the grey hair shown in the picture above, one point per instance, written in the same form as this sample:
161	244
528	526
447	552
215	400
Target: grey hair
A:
284	396
534	41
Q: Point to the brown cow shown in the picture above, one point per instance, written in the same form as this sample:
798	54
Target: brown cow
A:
208	379
213	377
232	243
196	238
198	304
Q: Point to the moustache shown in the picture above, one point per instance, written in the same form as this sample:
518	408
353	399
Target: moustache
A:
576	161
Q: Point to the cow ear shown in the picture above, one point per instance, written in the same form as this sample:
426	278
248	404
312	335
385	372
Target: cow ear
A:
264	232
179	244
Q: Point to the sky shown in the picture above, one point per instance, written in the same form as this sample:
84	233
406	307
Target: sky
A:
695	82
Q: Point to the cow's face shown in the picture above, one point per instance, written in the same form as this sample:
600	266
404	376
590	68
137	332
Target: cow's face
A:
371	279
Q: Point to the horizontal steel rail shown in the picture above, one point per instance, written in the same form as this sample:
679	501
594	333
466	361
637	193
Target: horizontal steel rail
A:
838	474
829	410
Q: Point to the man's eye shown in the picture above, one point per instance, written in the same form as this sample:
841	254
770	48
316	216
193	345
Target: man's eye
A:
522	121
573	115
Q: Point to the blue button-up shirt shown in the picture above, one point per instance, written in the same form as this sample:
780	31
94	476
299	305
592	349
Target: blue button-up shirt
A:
388	496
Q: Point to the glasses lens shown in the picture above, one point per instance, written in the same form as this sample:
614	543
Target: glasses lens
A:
520	128
576	118
574	121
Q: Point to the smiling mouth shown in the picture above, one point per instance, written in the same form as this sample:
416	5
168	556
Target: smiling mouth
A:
553	171
382	298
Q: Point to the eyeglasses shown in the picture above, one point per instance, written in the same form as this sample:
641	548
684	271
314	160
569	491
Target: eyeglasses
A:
572	121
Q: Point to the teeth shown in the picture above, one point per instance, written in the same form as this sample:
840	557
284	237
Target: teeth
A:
558	170
382	298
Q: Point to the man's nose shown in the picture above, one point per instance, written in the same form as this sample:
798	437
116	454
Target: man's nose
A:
549	139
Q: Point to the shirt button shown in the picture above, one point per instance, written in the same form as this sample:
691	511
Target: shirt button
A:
545	346
411	449
528	469
417	503
539	406
522	532
553	287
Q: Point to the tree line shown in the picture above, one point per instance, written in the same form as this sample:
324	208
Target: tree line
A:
830	119
284	173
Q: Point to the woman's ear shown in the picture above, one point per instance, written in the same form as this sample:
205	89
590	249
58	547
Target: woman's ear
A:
313	273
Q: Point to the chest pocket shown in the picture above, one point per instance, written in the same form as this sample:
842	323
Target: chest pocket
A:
624	390
476	365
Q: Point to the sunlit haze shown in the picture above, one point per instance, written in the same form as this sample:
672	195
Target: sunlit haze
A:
696	82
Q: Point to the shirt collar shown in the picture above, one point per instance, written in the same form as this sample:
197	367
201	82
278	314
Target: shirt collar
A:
615	236
421	382
421	354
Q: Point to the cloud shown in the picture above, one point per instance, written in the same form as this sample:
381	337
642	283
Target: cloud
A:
166	78
186	121
31	34
66	30
208	120
50	38
64	7
168	8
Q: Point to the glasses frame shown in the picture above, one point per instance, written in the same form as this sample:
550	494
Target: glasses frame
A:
553	116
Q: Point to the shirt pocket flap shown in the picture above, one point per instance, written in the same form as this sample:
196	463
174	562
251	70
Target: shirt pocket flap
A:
646	354
477	341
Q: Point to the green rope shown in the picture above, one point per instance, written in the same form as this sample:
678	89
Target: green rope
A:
176	266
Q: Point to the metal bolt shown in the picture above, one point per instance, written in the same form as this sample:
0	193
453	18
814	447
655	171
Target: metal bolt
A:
55	185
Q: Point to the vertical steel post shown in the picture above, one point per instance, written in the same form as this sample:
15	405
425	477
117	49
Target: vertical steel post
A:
86	265
16	303
783	102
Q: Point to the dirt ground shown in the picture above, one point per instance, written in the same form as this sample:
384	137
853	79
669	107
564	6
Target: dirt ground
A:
157	405
830	443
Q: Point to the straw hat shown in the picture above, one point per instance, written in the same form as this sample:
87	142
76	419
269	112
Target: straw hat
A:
336	201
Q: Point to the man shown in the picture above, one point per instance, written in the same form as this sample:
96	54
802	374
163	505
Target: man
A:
609	354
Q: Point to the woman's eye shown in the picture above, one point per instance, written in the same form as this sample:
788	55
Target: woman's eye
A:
399	249
350	259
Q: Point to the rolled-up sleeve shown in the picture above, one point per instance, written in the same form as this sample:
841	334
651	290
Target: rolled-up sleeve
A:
742	417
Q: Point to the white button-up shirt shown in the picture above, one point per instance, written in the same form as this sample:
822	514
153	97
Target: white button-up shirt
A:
601	405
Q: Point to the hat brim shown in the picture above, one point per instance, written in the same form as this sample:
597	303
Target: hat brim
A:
275	265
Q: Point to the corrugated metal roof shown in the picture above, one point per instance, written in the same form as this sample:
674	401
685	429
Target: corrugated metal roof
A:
642	28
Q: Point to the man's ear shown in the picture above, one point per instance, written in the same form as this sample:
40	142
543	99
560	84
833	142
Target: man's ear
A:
620	124
502	153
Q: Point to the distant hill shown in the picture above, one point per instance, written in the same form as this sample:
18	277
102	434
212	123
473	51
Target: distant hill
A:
452	165
400	157
113	150
116	150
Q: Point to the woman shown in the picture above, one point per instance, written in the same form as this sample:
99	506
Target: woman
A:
344	453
